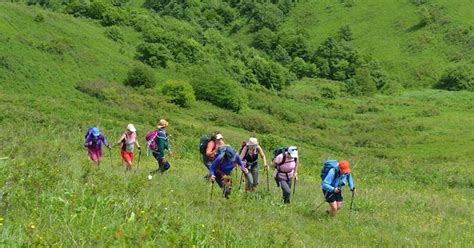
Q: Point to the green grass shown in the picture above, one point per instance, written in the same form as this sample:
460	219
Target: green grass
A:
411	154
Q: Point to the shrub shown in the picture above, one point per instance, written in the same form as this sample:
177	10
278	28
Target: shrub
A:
114	33
56	46
180	93
114	16
155	55
270	74
255	123
220	91
39	17
457	78
141	75
96	10
270	142
264	40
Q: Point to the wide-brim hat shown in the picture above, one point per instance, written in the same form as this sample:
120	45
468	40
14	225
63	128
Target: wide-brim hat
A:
219	136
293	151
252	142
131	128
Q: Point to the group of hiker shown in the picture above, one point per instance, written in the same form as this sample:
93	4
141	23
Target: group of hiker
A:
220	159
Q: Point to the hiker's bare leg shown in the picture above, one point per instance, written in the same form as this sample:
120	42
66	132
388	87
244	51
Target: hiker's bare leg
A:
339	205
332	208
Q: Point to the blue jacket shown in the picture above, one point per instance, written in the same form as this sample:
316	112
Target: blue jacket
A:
336	179
224	164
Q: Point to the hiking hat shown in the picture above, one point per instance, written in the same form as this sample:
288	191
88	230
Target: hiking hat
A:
95	131
219	136
344	166
252	142
131	128
293	151
162	123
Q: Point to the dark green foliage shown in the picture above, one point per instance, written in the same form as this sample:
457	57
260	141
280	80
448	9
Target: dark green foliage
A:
255	123
345	33
265	16
216	89
296	44
141	75
39	17
460	77
270	74
264	40
56	46
180	93
302	69
114	33
337	60
281	55
96	10
362	83
153	54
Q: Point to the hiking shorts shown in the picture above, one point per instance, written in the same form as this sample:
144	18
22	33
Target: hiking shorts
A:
333	197
95	154
158	155
127	156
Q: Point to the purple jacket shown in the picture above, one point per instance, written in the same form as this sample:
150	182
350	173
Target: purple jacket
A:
96	142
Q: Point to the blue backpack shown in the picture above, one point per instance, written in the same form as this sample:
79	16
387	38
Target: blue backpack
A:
328	165
229	152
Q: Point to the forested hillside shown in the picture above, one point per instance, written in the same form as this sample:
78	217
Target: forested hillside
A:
385	84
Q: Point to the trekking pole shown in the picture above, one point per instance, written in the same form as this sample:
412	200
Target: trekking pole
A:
212	190
268	185
294	186
139	157
352	201
110	155
241	178
324	201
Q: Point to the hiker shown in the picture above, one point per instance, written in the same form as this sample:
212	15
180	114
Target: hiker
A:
128	140
338	175
286	169
93	142
221	168
208	147
249	154
162	143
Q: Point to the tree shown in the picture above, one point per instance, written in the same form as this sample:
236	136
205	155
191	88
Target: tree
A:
153	54
141	75
456	78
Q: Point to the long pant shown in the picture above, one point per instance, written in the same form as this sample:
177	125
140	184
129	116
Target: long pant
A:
252	176
285	186
163	163
225	182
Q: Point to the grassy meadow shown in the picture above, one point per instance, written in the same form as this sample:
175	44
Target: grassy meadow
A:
410	151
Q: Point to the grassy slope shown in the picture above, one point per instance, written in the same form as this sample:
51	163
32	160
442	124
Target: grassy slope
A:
407	157
386	30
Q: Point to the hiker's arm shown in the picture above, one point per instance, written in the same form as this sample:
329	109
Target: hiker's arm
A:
277	160
138	144
88	140
297	165
328	180
214	164
243	152
350	180
121	139
264	158
106	143
241	164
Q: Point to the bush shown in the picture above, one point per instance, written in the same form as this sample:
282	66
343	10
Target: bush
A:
457	78
264	40
180	93
39	17
220	91
271	74
141	75
114	33
155	55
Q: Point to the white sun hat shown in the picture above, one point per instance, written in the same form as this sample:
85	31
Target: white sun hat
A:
131	128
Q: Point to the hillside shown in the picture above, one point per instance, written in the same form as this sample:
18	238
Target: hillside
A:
410	151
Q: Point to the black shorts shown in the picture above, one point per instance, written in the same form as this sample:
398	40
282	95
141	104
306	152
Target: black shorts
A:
332	197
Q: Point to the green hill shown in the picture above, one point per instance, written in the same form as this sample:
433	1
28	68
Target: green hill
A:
59	74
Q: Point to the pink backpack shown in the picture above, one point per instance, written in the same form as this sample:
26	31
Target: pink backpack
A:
150	139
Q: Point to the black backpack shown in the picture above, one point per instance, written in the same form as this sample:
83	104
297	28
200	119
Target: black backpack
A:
203	143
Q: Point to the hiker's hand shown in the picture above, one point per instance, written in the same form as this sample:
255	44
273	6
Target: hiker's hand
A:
170	153
90	143
246	171
353	189
296	176
139	148
213	178
337	190
266	167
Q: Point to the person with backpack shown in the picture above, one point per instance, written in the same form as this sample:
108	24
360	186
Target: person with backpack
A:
249	153
208	147
334	176
158	144
128	140
221	168
286	169
93	141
